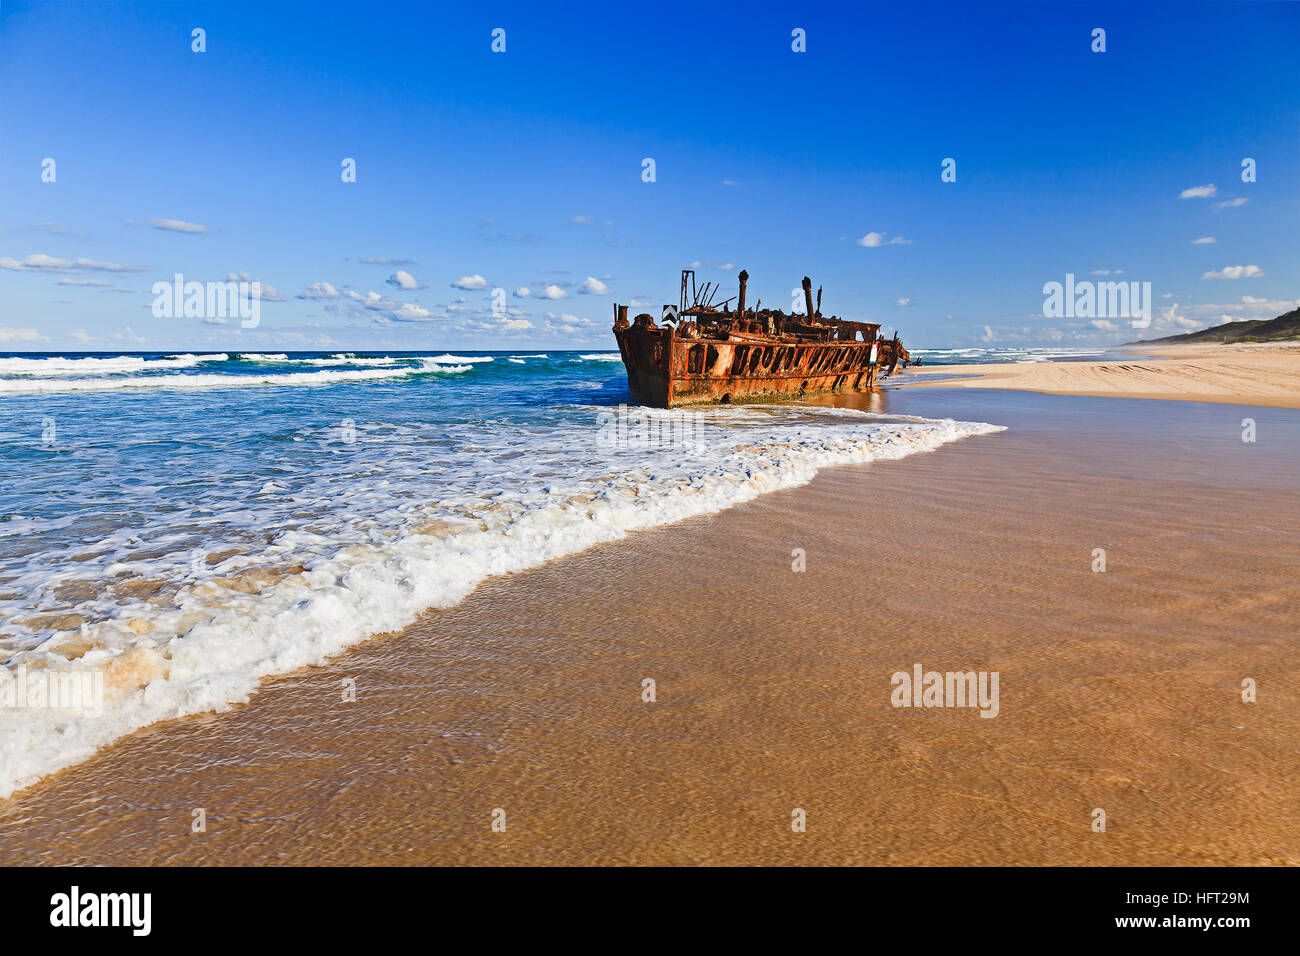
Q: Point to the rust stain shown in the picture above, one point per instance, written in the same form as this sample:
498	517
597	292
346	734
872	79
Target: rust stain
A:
702	352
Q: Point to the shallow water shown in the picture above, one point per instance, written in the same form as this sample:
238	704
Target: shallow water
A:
183	526
1119	689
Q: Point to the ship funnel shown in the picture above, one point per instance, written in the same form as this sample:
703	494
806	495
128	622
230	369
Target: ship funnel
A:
740	302
807	298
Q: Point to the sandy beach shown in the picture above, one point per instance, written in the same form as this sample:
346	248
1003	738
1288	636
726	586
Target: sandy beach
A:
1120	690
1265	374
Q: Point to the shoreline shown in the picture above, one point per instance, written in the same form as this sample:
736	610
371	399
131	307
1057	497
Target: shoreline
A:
161	677
1118	689
1263	374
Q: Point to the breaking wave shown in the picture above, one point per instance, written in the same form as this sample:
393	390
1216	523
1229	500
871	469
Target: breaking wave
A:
115	365
24	375
208	381
188	609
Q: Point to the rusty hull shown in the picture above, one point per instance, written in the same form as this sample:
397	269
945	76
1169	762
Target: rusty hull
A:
717	356
666	370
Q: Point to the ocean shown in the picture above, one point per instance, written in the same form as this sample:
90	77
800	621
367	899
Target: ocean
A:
989	355
175	528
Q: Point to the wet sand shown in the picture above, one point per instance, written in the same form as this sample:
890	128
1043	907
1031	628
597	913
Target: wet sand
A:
1266	374
1118	690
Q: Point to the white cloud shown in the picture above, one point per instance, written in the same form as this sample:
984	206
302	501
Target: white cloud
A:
319	290
403	280
479	320
1231	203
40	262
1170	320
268	293
570	325
387	308
730	182
989	335
470	283
96	283
58	230
1104	325
1199	192
1235	272
177	225
581	220
523	292
408	312
1250	307
552	291
873	240
901	300
1204	241
18	335
593	286
371	304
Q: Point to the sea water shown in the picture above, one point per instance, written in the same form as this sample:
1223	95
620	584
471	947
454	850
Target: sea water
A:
180	526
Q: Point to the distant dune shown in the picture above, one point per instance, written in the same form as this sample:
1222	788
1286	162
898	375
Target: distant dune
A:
1282	329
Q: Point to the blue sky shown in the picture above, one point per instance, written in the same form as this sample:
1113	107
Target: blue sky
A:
522	170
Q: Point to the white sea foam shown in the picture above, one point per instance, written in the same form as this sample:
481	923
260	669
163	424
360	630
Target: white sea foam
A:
446	359
109	365
210	645
601	357
353	360
433	365
209	380
999	355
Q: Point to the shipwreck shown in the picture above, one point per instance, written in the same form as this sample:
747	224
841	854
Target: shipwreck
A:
706	352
